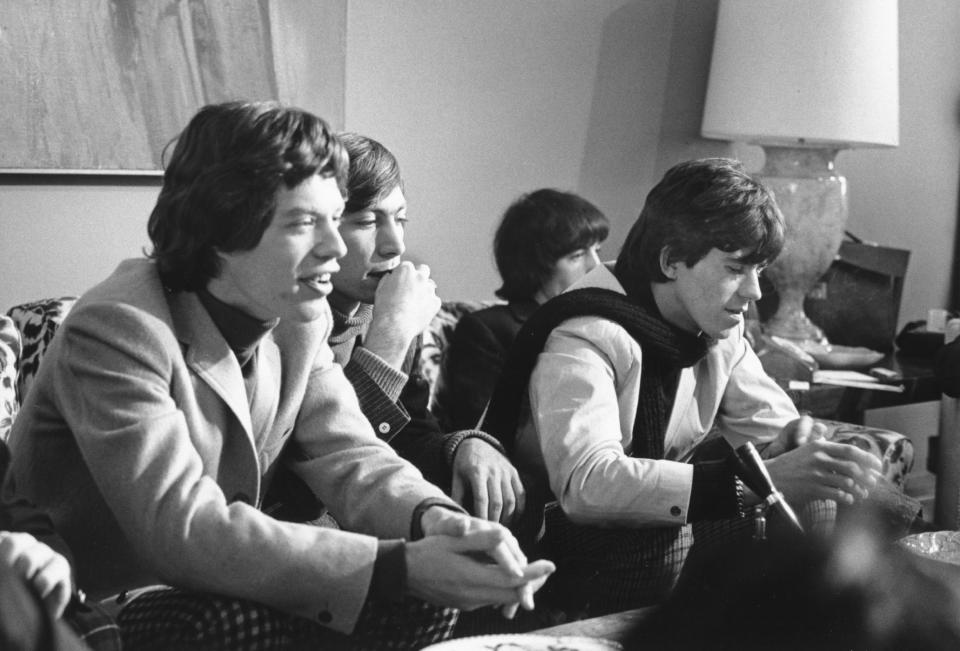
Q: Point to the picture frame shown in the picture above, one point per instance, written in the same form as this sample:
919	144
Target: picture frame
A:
101	87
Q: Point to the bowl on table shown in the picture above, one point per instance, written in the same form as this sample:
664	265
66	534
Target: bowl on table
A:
941	546
938	551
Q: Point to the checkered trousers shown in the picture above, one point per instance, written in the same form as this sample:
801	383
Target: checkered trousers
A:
602	570
178	620
606	570
599	571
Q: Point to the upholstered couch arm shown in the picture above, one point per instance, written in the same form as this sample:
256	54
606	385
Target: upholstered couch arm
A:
9	356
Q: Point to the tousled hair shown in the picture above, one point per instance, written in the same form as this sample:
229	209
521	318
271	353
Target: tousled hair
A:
538	229
374	172
220	183
698	206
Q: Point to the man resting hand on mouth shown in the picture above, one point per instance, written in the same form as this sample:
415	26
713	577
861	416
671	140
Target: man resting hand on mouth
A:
381	305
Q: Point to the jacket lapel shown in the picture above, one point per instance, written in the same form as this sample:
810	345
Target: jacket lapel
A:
207	354
264	404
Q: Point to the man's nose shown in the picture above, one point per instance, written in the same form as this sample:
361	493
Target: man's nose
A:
593	259
750	287
390	240
329	243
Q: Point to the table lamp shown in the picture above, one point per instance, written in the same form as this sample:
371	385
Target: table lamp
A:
804	79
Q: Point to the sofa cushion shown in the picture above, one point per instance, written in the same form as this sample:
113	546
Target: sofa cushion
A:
442	326
9	352
895	451
37	322
438	333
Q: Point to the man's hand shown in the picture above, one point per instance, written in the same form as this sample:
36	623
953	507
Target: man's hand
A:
466	562
405	302
46	570
820	469
440	521
796	433
480	471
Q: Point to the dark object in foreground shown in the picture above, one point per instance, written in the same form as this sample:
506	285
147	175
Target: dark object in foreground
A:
853	591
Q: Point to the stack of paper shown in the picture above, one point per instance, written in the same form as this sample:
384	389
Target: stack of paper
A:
854	379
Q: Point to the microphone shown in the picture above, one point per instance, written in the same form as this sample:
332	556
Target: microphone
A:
754	474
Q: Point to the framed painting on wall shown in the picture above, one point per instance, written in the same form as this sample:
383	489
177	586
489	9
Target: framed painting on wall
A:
101	86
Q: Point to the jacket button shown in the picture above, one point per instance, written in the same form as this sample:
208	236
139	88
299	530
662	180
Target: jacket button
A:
384	428
675	511
324	617
241	497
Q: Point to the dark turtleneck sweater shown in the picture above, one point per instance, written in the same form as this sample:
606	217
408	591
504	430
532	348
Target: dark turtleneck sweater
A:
243	334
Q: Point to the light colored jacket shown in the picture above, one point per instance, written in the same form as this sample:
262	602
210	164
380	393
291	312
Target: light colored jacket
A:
583	397
136	438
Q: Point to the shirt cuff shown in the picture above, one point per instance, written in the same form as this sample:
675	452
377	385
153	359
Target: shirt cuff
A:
454	439
389	581
390	380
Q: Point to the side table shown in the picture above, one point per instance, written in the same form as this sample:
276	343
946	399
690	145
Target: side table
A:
849	403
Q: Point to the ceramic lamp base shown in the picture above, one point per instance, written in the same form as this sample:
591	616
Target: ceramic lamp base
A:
813	200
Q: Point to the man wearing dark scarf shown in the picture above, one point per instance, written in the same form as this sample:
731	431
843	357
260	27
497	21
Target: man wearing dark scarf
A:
613	388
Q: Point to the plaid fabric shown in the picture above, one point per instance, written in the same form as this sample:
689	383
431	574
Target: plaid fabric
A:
713	540
603	570
618	569
599	571
177	620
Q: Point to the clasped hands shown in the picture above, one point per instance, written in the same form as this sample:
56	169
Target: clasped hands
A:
466	562
805	466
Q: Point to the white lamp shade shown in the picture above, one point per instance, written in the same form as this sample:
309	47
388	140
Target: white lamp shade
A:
805	73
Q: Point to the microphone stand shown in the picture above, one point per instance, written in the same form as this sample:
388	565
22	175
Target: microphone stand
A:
754	474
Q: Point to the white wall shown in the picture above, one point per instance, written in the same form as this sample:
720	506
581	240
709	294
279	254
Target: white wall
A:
63	236
481	101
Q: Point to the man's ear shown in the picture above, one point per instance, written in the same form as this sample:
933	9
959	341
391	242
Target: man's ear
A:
668	268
